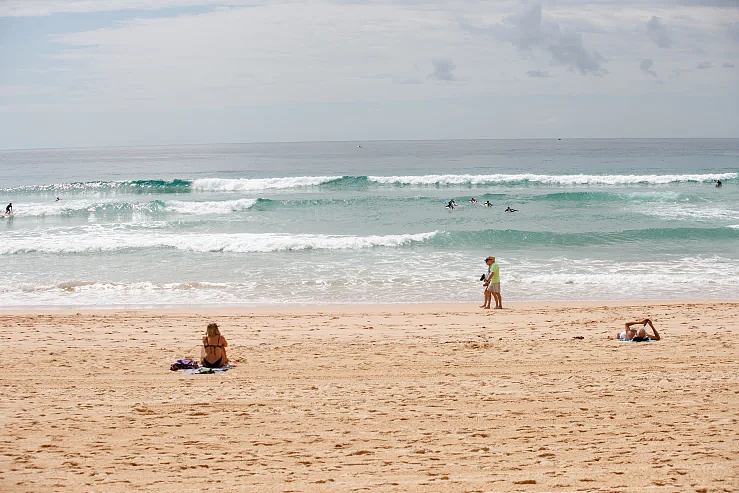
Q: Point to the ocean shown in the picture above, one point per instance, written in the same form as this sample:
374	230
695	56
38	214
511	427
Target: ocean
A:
365	222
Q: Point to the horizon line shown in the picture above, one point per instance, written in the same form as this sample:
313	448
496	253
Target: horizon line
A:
119	146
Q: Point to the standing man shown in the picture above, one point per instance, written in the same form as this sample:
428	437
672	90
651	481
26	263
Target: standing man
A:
9	209
493	283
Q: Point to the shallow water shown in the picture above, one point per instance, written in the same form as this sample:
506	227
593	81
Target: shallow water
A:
337	223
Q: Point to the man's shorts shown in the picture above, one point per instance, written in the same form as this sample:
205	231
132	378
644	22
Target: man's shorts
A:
494	287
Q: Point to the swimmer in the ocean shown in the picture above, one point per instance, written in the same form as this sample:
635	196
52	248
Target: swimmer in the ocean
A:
508	209
473	200
487	204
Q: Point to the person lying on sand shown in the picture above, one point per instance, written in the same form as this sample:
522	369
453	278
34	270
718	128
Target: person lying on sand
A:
640	334
213	352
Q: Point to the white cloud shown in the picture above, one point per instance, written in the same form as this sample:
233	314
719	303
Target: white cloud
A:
259	57
540	74
530	30
37	8
733	30
275	53
16	91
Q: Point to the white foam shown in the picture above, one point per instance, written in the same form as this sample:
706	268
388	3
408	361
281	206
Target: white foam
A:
254	184
98	239
35	209
88	286
39	209
549	179
685	212
386	278
210	207
626	274
111	294
43	209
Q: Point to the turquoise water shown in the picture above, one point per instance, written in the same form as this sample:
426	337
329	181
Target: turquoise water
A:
334	222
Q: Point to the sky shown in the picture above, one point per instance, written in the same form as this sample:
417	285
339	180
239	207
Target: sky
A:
89	73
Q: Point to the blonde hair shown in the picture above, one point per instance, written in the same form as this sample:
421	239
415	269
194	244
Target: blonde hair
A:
212	330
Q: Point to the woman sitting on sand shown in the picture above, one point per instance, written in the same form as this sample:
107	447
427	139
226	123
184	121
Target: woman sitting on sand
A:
640	334
213	352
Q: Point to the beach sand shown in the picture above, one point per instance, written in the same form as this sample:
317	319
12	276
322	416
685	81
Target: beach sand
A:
402	398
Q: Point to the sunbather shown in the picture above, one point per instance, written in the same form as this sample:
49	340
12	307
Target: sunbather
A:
213	352
640	334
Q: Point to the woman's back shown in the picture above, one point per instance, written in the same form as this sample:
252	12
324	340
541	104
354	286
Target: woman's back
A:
213	347
213	353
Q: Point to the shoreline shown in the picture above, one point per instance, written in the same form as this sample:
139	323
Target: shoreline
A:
446	398
344	307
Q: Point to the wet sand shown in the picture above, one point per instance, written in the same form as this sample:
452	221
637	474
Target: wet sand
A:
401	398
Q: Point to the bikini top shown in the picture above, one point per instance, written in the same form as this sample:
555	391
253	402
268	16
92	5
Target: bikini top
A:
206	346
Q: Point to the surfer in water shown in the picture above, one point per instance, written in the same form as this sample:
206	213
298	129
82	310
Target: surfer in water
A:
58	199
473	200
487	204
718	183
508	209
9	209
451	204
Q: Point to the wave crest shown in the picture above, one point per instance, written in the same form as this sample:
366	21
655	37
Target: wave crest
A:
254	184
134	186
523	179
359	182
106	241
210	207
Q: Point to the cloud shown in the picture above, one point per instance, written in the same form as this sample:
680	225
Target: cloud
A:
209	59
443	68
38	8
704	65
708	3
530	30
728	65
297	57
526	28
734	31
569	51
657	33
647	67
541	74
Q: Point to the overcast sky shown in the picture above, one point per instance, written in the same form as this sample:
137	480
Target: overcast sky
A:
130	72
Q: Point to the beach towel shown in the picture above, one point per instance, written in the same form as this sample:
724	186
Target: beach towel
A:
184	364
204	370
636	339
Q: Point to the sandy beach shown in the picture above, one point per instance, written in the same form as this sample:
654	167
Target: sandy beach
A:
400	398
